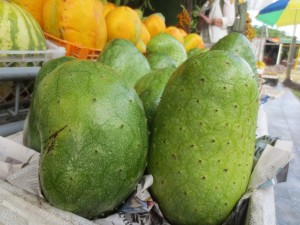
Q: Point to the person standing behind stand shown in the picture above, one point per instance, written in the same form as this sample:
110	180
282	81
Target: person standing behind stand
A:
215	18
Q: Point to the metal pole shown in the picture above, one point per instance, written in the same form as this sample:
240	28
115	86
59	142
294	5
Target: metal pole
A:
290	62
279	54
11	128
18	73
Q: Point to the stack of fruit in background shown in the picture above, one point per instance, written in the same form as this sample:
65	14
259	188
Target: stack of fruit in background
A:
93	23
155	101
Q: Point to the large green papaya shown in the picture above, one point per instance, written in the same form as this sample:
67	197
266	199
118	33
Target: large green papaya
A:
203	138
150	88
124	57
31	137
159	60
166	44
238	44
94	138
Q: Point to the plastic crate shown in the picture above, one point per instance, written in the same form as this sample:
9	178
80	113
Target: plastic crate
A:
11	58
18	70
73	49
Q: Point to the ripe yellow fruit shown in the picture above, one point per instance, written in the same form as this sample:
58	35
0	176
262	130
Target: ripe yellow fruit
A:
182	32
145	35
139	12
34	7
155	23
123	22
140	45
193	40
77	21
108	7
175	32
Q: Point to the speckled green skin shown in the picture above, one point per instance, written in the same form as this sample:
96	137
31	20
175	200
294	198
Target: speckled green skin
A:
150	88
124	57
238	44
167	44
94	138
160	60
31	137
203	139
196	51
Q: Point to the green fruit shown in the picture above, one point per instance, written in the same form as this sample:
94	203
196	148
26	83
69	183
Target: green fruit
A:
124	57
18	29
238	44
159	61
31	137
203	137
168	45
150	88
195	51
94	138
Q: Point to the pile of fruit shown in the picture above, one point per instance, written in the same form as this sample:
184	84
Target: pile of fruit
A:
183	114
100	125
93	23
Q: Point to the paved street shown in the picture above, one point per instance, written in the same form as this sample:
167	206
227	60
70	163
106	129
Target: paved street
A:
283	119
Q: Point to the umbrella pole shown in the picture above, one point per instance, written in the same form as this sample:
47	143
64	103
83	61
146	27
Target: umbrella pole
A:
290	62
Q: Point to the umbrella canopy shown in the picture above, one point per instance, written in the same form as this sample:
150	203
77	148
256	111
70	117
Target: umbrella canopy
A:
281	13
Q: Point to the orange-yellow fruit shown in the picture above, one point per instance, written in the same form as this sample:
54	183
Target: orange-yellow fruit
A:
108	7
139	12
193	40
34	7
140	45
155	24
182	32
145	35
123	22
77	21
175	32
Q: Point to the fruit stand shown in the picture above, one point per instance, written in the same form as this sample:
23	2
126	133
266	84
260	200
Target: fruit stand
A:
130	120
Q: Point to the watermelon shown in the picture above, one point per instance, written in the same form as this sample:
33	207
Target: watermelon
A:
19	29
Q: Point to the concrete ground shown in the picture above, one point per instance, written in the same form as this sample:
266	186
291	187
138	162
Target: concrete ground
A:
283	119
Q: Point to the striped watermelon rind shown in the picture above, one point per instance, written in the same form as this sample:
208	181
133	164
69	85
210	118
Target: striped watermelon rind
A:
19	29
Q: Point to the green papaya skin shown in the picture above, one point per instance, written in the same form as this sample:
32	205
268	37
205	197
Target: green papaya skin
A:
202	144
124	57
31	136
195	51
150	88
94	138
166	44
238	44
160	61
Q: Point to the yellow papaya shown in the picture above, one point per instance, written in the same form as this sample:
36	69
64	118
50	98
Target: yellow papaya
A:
77	21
